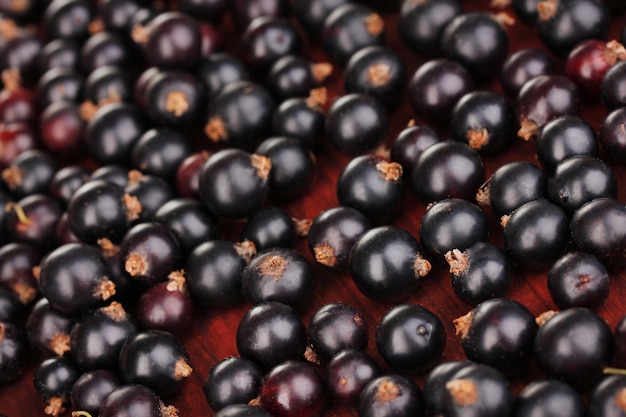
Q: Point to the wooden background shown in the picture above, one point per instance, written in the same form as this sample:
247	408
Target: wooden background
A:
212	334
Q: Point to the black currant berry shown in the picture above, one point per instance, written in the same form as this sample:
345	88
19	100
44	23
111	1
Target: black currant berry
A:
242	410
67	181
302	119
612	87
347	373
48	329
422	23
524	65
17	261
150	191
391	395
174	98
30	173
410	143
607	397
13	352
548	398
294	76
270	227
312	13
578	280
266	40
612	136
171	40
399	265
435	385
92	388
219	70
53	380
134	399
232	381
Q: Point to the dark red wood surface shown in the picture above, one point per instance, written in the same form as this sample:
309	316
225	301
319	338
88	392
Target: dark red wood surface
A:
212	334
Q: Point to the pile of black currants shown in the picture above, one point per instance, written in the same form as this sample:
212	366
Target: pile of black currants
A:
185	180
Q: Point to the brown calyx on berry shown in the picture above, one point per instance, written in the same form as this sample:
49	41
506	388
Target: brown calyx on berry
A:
176	102
140	34
263	165
411	123
105	289
457	260
464	392
325	254
133	207
169	411
547	9
317	98
2	331
176	281
60	344
96	26
246	250
54	407
614	52
477	138
504	220
504	19
87	110
215	129
389	171
25	292
528	129
374	24
115	311
136	265
545	316
321	71
378	75
255	402
182	369
462	324
273	267
421	266
311	356
483	195
135	176
11	78
302	226
500	4
387	391
13	176
620	399
108	248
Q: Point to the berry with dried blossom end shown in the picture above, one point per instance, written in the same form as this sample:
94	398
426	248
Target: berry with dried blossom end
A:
135	399
53	380
391	395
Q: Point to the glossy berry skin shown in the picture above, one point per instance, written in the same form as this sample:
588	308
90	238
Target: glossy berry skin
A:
105	49
92	388
564	137
32	220
612	87
373	186
113	131
150	191
30	173
232	381
13	352
347	373
447	81
11	309
234	183
349	28
21	53
550	398
268	39
522	66
391	395
332	234
542	99
115	174
155	359
188	220
377	71
245	11
452	224
563	351
292	166
578	180
67	181
294	76
480	272
563	24
218	70
187	174
74	278
174	41
300	119
599	228
536	234
160	151
271	333
335	327
293	389
67	19
117	14
242	410
96	339
478	42
15	139
410	338
59	53
53	380
421	24
16	270
448	169
588	62
213	272
280	274
132	399
409	145
578	280
312	13
398	267
484	120
212	10
240	114
59	84
435	384
605	399
356	123
149	252
499	333
46	327
100	209
270	227
492	397
174	98
612	137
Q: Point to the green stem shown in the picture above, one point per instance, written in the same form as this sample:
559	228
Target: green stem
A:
614	371
80	414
